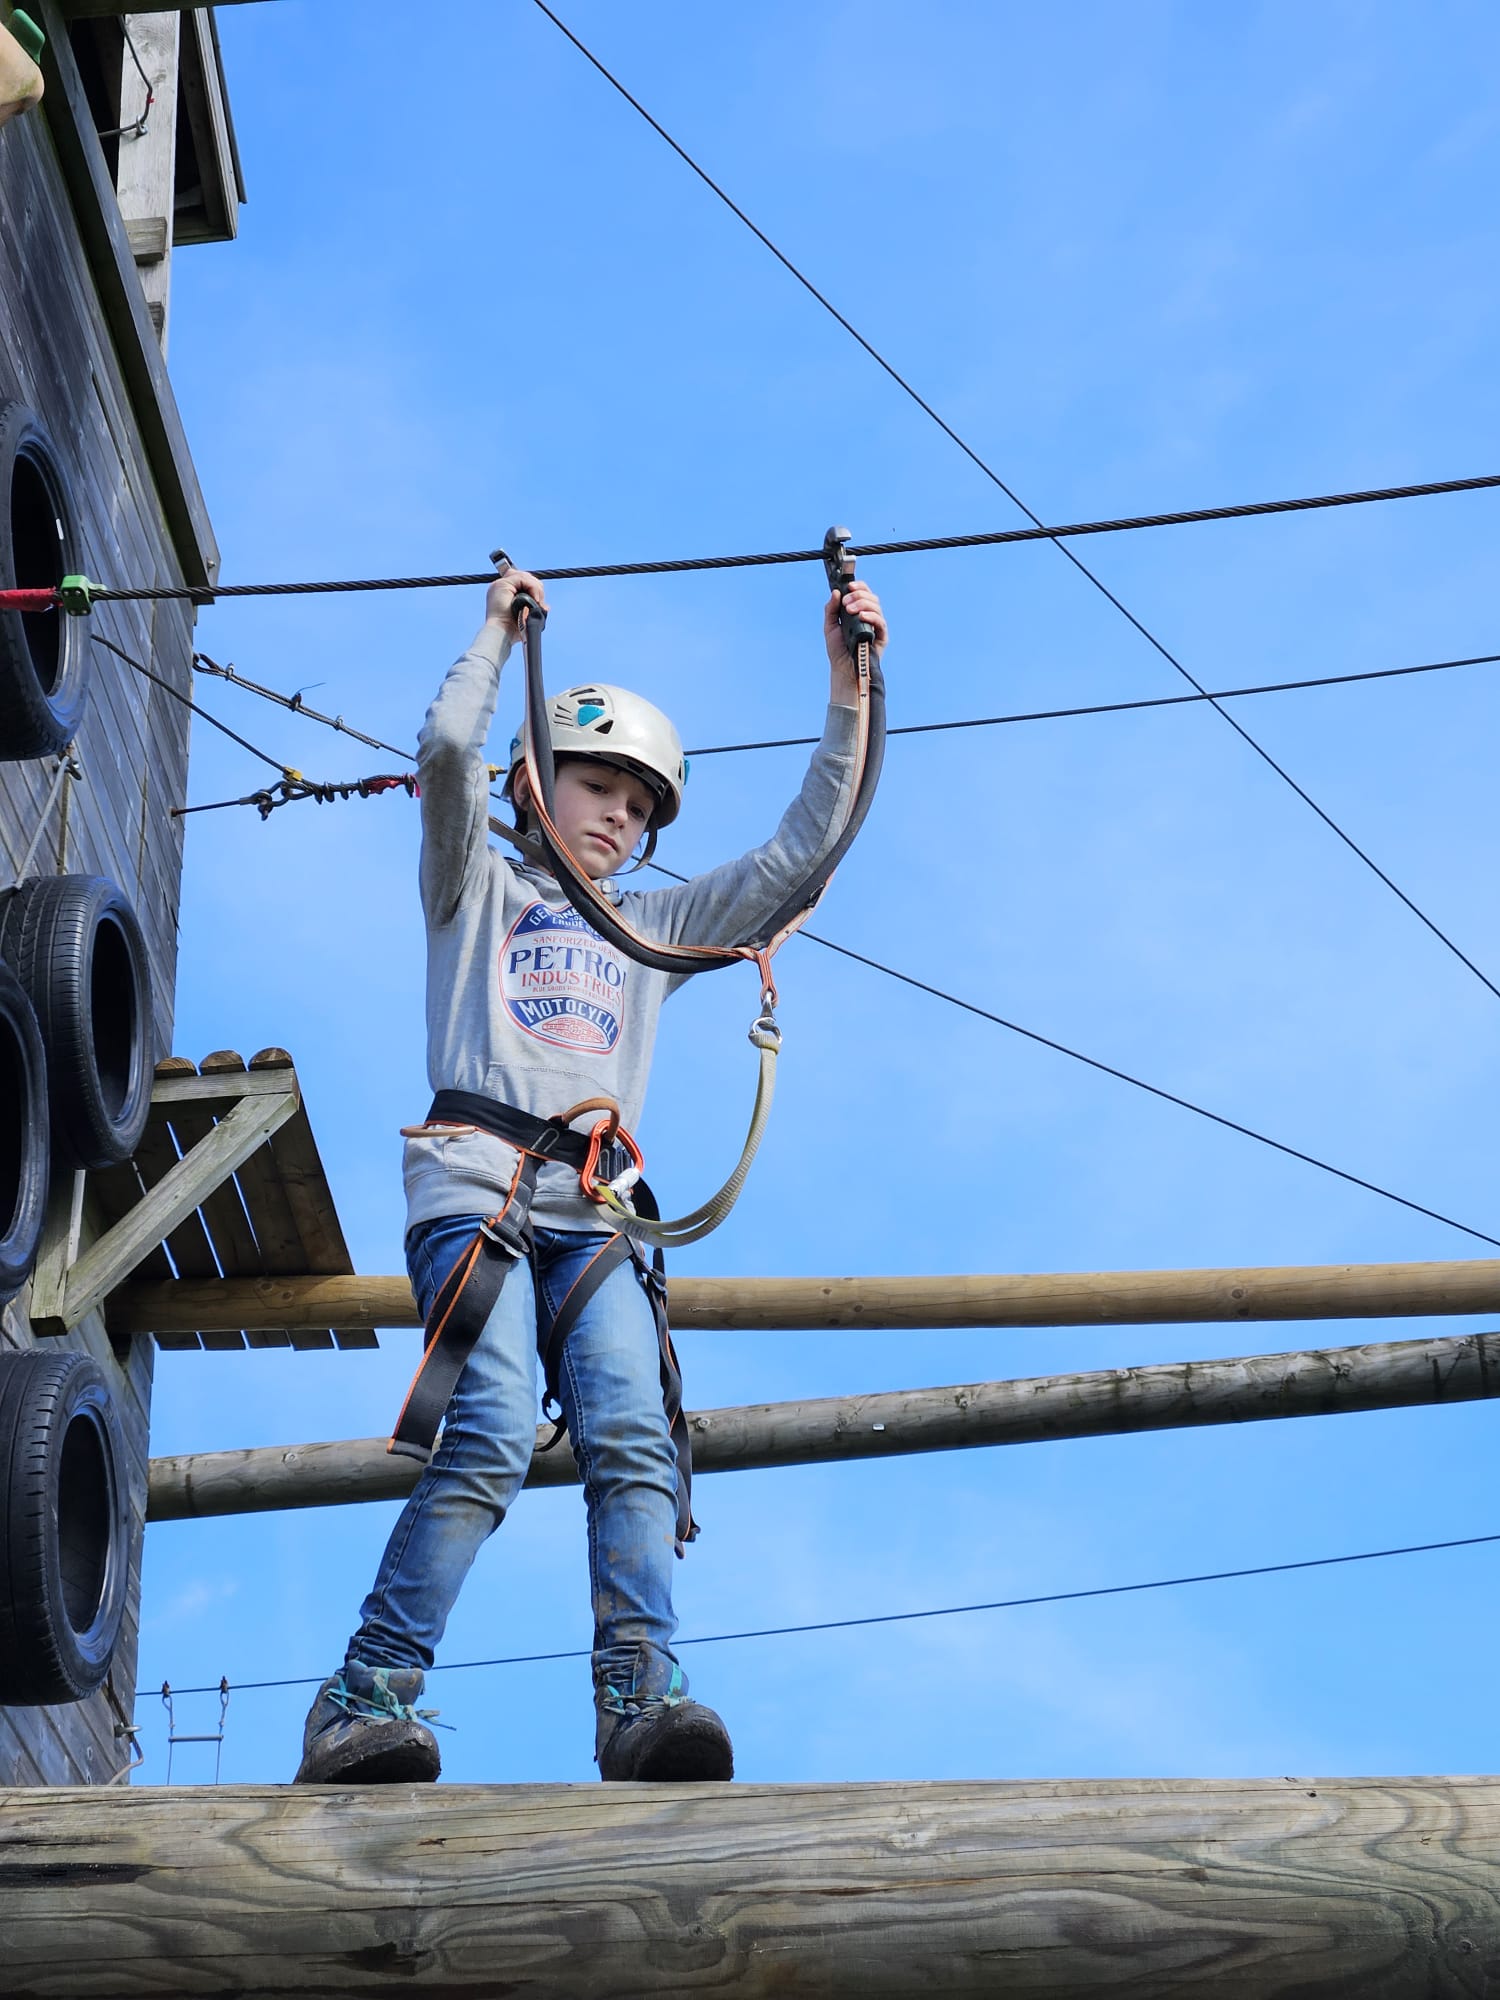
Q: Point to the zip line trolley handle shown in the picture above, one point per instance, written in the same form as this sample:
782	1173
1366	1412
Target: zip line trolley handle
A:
839	564
524	606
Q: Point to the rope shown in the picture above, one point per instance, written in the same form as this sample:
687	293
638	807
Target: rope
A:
288	771
680	565
67	766
1117	707
937	1611
1040	532
703	1220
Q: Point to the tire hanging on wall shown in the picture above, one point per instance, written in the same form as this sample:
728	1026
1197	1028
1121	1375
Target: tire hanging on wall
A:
74	943
44	655
64	1528
25	1141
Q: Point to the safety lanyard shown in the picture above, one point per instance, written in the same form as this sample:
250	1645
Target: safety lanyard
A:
591	903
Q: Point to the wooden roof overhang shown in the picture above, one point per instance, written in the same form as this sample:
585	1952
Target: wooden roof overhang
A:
226	1184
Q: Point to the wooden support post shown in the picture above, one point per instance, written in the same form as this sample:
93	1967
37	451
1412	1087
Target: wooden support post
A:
61	1234
148	158
1260	1889
1178	1396
757	1305
180	1190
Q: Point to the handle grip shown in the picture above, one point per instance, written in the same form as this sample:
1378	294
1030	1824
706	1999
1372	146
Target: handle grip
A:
839	565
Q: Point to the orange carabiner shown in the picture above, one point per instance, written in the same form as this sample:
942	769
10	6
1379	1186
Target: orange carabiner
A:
607	1130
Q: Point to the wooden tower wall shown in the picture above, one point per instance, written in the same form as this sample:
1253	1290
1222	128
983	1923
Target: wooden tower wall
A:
77	345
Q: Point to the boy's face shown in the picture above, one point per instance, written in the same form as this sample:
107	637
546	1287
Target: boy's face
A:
602	813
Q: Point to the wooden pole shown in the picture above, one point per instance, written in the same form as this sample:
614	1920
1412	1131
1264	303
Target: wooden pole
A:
1175	1396
1262	1889
757	1305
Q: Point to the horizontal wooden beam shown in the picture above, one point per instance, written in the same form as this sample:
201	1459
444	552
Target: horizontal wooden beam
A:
1259	1889
755	1305
1177	1396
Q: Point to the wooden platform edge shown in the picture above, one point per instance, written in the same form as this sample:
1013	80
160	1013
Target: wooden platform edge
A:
1238	1890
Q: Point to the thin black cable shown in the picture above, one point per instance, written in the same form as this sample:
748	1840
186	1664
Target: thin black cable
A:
906	1617
205	593
297	705
1124	1076
264	801
1016	500
1116	707
137	130
286	770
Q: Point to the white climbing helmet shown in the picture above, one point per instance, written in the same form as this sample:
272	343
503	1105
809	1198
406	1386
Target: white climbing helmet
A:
619	728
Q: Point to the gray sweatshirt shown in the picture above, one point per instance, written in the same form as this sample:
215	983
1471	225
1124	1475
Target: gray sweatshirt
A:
525	1001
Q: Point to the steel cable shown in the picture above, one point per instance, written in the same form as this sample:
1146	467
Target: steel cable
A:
907	1617
1040	531
681	565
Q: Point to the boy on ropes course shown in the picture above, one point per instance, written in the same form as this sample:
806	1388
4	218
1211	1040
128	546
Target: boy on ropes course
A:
526	1211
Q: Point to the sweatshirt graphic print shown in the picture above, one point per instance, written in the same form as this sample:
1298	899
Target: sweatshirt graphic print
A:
525	1001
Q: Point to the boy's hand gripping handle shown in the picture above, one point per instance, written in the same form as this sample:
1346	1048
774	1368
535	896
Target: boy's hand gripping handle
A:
524	607
840	567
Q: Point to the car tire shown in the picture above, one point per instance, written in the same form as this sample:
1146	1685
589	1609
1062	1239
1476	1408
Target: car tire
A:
76	946
64	1528
44	655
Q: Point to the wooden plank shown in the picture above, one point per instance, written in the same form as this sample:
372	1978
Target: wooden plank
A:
1249	1889
223	1071
229	1231
758	1305
105	1263
187	1246
61	1234
299	1170
278	1240
1403	1374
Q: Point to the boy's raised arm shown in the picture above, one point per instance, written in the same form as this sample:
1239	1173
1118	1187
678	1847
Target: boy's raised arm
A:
726	904
451	765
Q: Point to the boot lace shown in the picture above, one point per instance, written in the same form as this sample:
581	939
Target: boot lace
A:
381	1704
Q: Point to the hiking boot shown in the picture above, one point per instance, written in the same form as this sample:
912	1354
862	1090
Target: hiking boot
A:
363	1730
666	1740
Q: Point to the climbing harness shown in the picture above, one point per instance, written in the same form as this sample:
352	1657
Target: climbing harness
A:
467	1296
606	1158
596	909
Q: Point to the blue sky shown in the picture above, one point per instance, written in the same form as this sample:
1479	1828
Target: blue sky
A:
1145	258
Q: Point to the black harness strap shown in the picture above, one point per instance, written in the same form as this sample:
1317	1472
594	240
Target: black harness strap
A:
467	1296
616	1251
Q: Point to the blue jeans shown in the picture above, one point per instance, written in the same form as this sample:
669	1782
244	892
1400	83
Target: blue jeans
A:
610	1391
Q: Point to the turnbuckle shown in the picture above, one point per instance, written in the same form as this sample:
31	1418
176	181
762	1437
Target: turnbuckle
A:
839	564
